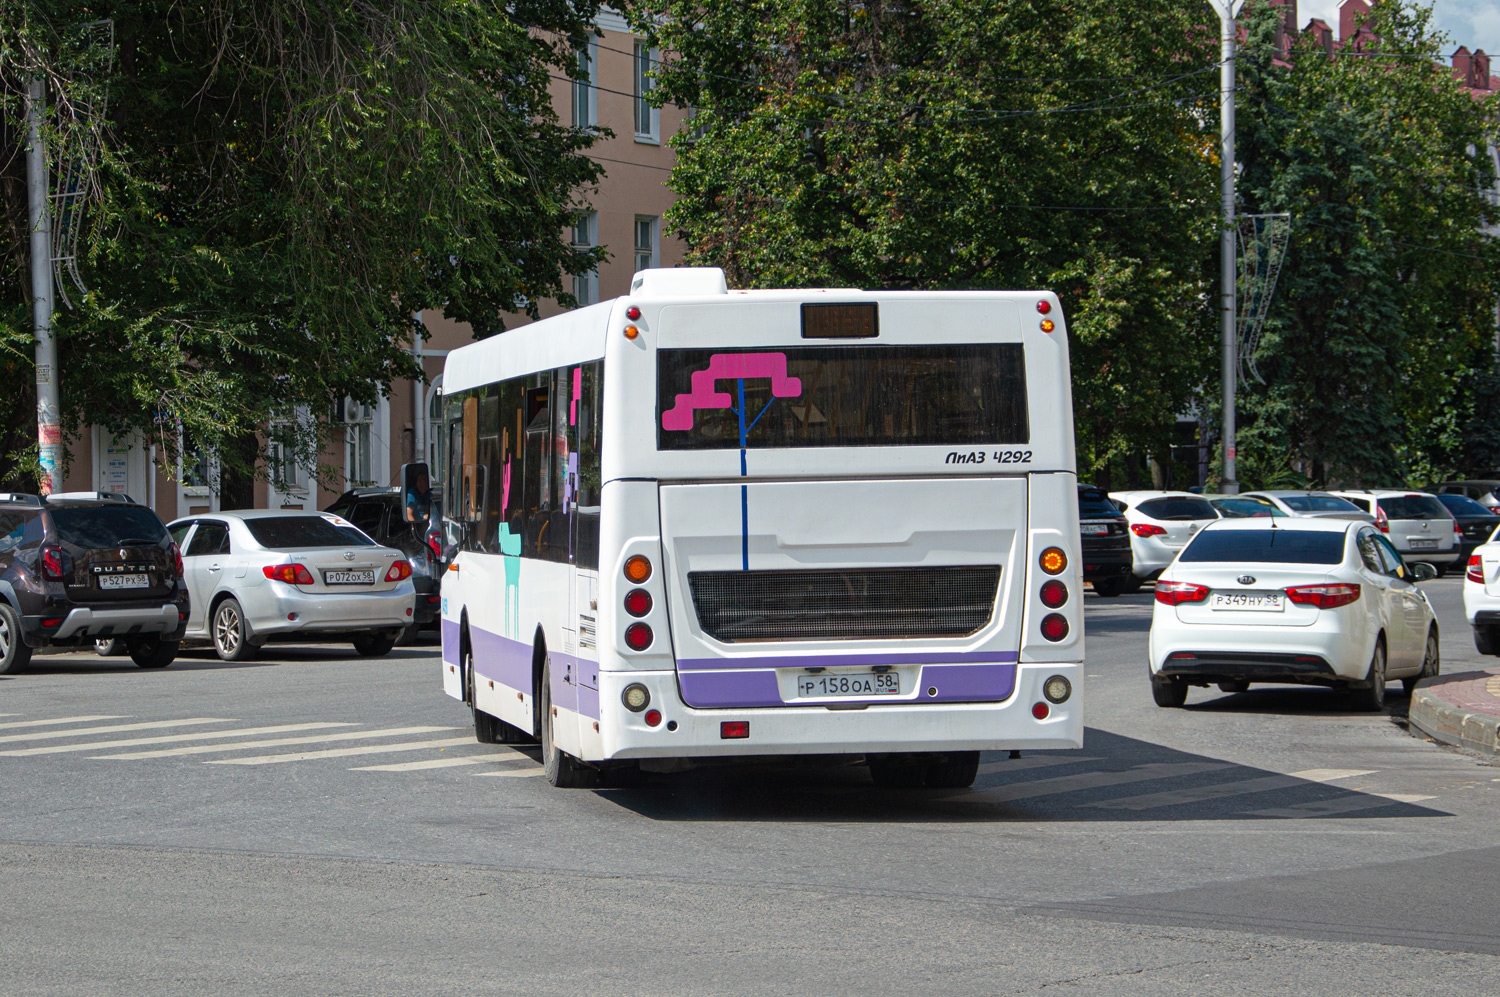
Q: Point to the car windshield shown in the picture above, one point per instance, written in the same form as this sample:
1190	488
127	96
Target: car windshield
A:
1093	502
290	532
1246	508
1413	507
1318	503
1177	509
1266	547
107	525
1462	505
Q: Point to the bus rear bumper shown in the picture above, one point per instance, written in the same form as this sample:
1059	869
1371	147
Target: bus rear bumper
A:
685	732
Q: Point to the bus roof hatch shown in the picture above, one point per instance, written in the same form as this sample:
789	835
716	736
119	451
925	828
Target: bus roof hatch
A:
678	282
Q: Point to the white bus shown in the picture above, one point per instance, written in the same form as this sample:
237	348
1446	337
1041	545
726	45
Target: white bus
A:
692	523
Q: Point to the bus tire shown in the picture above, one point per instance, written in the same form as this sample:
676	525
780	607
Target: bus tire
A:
488	729
897	773
957	771
561	769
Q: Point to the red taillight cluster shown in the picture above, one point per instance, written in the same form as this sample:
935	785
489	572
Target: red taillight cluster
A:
435	547
399	570
52	562
1148	530
177	560
292	574
1323	596
1458	531
1381	522
1176	593
1476	569
638	636
1054	593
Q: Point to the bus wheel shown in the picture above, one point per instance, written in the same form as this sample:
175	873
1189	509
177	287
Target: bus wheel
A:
487	729
957	771
562	770
896	772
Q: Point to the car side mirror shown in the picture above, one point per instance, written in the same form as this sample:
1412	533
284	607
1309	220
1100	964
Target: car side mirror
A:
416	492
1421	571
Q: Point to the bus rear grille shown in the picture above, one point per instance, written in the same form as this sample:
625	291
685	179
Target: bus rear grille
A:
844	605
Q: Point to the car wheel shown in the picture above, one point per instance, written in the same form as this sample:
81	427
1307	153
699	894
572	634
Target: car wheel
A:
562	770
1168	692
152	652
1372	698
1485	641
1235	686
1109	587
957	772
408	636
110	647
1441	569
1431	663
14	654
897	773
373	645
231	634
1131	585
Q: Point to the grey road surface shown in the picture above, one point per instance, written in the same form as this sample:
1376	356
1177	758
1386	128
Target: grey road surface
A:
313	823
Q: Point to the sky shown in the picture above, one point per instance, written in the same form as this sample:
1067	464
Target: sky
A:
1475	23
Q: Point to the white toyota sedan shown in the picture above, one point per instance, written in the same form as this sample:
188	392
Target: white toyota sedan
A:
1482	595
272	574
1311	601
1161	524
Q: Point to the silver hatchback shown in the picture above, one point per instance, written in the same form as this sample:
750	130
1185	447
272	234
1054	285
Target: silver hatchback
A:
1416	523
268	574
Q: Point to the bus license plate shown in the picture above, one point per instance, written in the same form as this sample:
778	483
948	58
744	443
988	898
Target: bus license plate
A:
850	684
349	577
1260	602
124	582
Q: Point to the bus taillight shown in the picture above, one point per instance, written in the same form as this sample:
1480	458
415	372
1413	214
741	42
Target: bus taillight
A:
637	602
638	636
637	569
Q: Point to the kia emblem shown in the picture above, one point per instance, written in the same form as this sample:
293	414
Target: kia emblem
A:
348	555
1246	579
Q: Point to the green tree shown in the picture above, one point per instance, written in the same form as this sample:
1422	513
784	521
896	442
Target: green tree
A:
1383	323
953	144
277	185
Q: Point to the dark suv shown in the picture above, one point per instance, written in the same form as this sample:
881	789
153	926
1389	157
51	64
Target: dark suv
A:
1105	542
379	513
79	567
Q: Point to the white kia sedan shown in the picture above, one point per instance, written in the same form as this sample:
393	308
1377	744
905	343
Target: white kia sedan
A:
1482	595
270	574
1310	601
1161	524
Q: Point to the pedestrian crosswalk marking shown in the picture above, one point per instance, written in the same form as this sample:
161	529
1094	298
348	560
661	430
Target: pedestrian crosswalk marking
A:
115	729
58	749
1329	775
205	749
48	723
1405	797
443	763
511	773
364	749
1086	780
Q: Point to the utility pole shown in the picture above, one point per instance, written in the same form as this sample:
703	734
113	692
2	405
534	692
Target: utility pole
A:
1227	9
48	428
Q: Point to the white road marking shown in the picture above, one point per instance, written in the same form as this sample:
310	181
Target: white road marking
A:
204	749
1405	797
1329	775
511	773
58	749
1085	780
116	729
366	749
1034	762
436	763
58	720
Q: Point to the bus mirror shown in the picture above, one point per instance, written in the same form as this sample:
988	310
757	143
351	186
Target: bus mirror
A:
416	492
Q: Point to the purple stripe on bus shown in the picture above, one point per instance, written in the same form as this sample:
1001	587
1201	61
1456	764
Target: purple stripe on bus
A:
830	660
501	659
990	682
588	702
450	633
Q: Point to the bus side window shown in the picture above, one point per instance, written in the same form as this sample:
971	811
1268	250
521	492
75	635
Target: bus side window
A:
536	463
558	541
490	459
587	484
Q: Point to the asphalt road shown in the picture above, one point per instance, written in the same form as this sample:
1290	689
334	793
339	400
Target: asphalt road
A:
312	823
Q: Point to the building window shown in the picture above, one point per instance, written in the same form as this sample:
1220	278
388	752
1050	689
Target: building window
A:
647	118
585	91
586	236
359	444
288	473
646	242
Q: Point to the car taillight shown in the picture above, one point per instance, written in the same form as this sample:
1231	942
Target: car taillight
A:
1476	569
1147	530
177	560
292	574
1458	531
52	562
435	547
1176	593
1381	522
399	570
1323	596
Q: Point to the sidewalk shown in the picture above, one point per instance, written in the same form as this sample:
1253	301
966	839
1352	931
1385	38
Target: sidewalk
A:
1462	709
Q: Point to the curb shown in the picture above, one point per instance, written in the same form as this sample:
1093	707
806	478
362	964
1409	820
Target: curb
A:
1442	721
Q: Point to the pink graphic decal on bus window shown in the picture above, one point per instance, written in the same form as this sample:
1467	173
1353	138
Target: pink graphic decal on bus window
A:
577	396
727	365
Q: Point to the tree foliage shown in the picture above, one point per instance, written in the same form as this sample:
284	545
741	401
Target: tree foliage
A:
950	144
277	186
1379	349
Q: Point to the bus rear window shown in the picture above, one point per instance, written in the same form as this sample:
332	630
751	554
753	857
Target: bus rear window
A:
842	396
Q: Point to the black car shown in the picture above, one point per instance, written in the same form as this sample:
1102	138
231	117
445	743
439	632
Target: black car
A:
1105	542
1476	521
379	512
80	567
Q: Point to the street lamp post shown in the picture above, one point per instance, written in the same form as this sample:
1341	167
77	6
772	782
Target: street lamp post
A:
49	432
1227	9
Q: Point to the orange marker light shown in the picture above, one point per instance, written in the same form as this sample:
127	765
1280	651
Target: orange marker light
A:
631	332
1053	560
637	569
1048	325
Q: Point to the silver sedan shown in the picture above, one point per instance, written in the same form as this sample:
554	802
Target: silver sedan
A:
269	574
